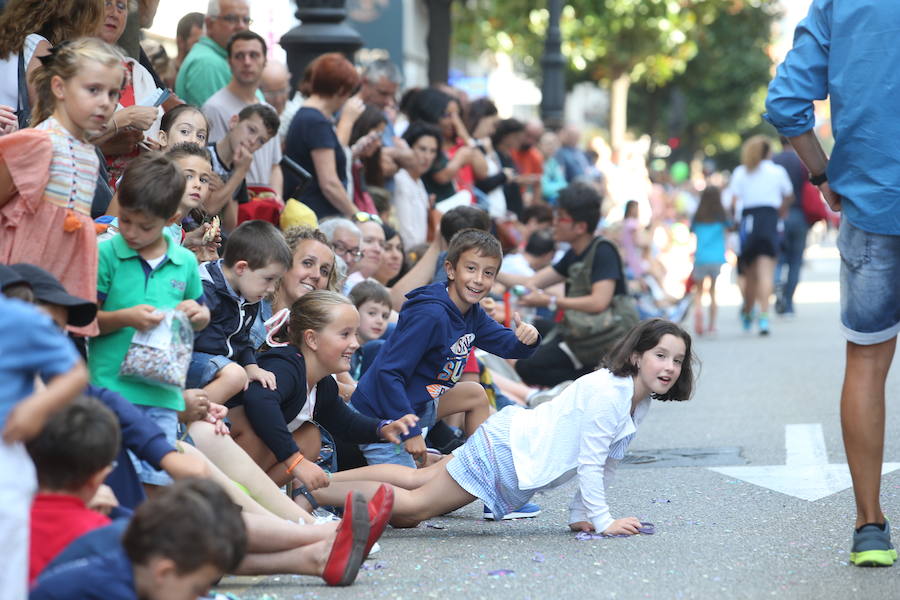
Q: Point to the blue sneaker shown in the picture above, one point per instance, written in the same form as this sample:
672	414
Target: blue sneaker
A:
526	511
746	320
763	323
872	546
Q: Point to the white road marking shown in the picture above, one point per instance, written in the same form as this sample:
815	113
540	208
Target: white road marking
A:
806	474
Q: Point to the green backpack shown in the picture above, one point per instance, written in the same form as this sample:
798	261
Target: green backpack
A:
590	336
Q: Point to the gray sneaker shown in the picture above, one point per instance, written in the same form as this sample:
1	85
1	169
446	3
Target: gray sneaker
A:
872	546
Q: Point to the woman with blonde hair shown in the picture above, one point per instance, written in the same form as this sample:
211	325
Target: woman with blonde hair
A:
28	28
761	194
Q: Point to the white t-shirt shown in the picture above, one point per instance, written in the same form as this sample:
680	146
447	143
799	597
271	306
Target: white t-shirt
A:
410	209
9	70
219	109
766	185
305	414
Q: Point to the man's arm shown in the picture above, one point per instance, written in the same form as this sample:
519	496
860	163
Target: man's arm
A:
810	151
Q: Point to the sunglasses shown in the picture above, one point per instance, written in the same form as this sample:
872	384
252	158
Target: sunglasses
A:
364	217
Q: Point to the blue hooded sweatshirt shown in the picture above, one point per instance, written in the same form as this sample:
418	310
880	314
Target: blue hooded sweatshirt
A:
425	355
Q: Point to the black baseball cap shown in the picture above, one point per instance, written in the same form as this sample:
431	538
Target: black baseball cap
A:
9	277
49	290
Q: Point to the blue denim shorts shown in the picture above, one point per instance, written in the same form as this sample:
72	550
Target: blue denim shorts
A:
167	419
870	285
396	454
204	368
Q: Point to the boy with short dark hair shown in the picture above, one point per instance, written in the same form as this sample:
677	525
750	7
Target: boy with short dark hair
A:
232	157
175	547
256	256
373	301
418	368
144	271
454	221
73	454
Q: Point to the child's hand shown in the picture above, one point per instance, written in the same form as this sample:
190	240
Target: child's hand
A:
104	500
265	378
581	526
198	315
215	182
196	405
626	526
242	159
216	416
143	317
489	305
416	447
392	431
9	122
311	475
525	333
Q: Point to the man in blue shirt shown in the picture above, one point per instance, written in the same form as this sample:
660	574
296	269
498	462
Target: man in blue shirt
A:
847	50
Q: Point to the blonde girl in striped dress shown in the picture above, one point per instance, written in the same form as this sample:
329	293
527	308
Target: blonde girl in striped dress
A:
48	173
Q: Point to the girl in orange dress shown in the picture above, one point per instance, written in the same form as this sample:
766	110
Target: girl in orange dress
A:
48	173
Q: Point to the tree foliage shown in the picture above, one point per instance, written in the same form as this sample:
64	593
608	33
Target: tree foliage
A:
649	42
719	97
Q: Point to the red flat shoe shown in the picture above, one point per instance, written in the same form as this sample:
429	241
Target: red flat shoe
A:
350	543
380	508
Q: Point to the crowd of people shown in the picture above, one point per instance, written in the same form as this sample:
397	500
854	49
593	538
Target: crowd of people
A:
226	305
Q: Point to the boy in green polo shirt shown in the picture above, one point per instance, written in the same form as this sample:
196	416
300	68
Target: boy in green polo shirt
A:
141	272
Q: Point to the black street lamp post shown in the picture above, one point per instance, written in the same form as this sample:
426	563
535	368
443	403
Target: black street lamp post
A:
322	29
553	86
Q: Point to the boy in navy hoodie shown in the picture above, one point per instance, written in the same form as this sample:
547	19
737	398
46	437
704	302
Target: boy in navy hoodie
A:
224	362
417	369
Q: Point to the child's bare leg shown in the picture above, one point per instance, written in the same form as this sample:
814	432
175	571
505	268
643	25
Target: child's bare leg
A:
238	466
440	495
516	390
237	495
244	436
396	475
713	307
307	560
467	397
229	381
271	534
282	547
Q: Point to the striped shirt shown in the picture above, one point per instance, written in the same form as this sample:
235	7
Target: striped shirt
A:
73	169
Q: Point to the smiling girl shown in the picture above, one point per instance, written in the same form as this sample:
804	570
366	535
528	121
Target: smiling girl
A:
48	174
266	423
583	433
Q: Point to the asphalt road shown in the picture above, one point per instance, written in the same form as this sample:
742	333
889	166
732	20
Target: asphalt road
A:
716	535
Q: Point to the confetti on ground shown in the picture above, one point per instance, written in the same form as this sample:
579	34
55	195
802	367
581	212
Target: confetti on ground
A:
376	566
501	572
430	525
645	528
538	557
661	501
